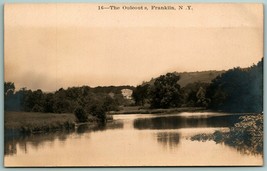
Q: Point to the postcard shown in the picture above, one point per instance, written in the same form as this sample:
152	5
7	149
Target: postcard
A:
133	84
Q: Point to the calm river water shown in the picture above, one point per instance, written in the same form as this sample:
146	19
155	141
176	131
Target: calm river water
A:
133	140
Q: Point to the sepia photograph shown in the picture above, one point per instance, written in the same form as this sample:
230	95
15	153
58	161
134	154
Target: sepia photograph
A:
133	84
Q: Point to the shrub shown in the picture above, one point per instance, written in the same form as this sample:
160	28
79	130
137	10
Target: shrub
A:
99	112
80	114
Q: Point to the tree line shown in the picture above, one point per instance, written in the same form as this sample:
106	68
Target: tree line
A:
64	100
236	90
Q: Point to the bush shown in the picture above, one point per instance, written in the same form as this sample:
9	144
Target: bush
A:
99	112
81	115
246	135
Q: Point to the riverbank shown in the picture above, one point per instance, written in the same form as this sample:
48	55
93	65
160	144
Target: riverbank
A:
34	123
140	110
30	122
246	135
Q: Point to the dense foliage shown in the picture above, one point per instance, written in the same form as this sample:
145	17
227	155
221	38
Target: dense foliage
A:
140	94
194	95
63	100
238	90
166	92
81	115
246	135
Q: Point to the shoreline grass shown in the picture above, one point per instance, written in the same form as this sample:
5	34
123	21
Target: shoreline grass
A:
30	122
34	123
139	110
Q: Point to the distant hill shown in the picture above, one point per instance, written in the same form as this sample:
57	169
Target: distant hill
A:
203	76
198	76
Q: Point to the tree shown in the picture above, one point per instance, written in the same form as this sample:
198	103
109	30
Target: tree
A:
21	96
238	90
99	112
61	102
81	115
38	97
110	104
165	92
140	94
202	101
9	88
194	94
49	103
11	102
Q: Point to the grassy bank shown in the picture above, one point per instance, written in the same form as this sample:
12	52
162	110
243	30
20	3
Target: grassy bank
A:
29	122
139	110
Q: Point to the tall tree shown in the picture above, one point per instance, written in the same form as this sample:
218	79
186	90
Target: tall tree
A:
165	92
238	90
140	94
194	94
9	88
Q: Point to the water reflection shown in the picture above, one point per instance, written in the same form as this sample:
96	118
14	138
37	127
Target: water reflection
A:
13	141
168	139
84	128
244	145
177	122
131	140
246	136
34	140
10	147
255	148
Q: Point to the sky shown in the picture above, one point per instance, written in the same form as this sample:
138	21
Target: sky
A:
49	46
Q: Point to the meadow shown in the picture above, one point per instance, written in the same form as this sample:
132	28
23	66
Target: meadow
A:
31	122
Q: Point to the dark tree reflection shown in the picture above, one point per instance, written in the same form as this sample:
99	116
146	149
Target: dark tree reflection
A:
34	140
99	127
168	139
13	141
245	136
177	122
